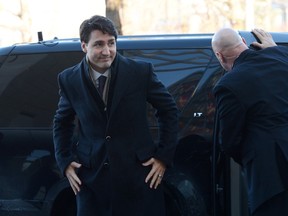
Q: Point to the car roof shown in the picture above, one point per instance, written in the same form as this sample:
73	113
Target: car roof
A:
278	37
123	42
165	41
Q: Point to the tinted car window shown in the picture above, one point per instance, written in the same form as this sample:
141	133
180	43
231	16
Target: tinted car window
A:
28	88
189	75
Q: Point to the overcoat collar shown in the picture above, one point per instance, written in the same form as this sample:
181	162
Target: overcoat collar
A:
121	77
242	57
97	102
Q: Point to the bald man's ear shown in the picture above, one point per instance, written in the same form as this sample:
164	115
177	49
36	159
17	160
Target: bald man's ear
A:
220	57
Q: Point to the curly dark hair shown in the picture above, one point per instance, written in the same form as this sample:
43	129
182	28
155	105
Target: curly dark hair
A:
97	23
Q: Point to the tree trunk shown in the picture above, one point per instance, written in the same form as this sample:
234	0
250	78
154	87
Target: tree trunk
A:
112	12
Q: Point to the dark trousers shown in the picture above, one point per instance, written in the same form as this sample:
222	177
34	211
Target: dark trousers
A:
277	205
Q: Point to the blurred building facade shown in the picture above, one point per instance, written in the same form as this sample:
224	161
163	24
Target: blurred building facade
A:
20	20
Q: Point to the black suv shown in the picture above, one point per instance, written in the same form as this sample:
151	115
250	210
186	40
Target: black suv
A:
30	182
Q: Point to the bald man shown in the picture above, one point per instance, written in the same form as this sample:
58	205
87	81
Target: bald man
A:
252	113
227	45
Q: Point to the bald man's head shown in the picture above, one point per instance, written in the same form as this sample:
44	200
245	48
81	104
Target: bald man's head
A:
227	45
226	38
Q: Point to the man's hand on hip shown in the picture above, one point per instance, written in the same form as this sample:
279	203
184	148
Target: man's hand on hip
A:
156	173
73	179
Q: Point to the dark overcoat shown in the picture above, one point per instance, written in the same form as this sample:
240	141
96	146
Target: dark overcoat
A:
116	135
252	101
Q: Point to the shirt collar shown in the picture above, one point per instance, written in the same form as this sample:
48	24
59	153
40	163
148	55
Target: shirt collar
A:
96	73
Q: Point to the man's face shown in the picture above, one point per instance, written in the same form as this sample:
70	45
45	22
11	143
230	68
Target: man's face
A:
100	50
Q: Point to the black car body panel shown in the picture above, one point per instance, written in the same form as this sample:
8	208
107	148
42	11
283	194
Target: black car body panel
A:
30	181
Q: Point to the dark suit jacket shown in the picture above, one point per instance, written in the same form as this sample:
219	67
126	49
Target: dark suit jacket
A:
252	102
119	134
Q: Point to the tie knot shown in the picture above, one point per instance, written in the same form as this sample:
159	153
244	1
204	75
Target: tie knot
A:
102	79
101	84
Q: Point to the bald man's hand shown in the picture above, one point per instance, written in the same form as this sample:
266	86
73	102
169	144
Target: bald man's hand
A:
265	38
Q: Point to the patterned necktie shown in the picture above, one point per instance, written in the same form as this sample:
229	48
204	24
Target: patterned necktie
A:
101	84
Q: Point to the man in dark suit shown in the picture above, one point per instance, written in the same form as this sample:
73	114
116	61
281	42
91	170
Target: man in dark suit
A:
117	168
252	109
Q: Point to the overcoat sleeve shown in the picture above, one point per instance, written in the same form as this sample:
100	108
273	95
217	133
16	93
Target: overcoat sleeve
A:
231	116
167	114
63	129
